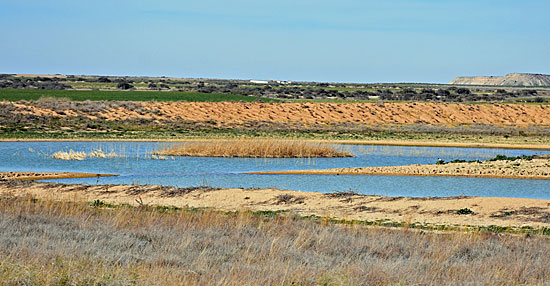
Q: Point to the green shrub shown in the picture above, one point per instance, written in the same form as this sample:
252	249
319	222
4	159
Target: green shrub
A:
464	211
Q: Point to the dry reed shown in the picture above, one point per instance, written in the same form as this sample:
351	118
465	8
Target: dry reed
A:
71	155
254	148
79	155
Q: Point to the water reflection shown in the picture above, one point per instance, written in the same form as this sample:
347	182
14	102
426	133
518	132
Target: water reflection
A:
135	166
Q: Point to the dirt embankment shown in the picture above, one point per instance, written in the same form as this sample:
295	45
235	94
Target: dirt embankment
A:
520	169
359	113
348	206
230	114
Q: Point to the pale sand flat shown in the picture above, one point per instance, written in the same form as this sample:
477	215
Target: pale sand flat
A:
432	211
518	169
46	176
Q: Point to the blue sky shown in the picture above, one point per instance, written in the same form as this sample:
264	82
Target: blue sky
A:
337	41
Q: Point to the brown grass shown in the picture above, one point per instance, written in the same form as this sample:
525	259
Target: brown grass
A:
44	242
254	148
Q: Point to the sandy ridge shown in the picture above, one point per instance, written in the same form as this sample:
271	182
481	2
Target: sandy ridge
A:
518	169
47	176
311	113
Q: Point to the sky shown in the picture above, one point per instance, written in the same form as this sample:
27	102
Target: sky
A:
302	40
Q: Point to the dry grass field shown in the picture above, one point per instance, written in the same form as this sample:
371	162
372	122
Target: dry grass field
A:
44	242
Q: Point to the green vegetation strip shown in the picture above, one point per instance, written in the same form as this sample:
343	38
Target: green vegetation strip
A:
131	95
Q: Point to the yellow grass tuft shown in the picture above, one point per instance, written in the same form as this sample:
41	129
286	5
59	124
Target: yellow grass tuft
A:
254	148
100	154
77	155
71	155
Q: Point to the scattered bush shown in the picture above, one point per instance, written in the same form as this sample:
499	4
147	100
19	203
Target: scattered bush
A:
464	211
124	85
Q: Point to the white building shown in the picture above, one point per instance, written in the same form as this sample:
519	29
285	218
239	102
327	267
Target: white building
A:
260	81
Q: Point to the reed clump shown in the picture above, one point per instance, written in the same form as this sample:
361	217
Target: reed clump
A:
255	148
71	155
100	154
79	155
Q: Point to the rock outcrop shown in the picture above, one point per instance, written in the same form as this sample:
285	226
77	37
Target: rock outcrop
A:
512	79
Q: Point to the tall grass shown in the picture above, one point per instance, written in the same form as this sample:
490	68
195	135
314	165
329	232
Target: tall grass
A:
65	243
254	148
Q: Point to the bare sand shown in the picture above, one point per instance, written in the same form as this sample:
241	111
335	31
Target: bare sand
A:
230	114
538	168
429	211
359	113
46	176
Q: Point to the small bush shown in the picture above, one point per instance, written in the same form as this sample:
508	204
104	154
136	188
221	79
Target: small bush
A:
288	199
464	211
124	85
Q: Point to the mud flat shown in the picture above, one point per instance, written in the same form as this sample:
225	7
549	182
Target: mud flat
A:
46	176
538	168
453	211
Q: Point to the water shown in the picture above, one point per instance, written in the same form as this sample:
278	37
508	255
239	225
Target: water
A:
136	167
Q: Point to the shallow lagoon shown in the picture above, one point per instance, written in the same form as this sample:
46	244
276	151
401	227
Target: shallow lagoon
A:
135	166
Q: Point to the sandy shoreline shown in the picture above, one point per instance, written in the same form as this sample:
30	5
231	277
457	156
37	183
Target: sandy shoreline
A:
347	206
48	176
537	168
346	142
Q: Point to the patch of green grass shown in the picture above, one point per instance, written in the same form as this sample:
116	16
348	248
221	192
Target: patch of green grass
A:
98	85
101	204
119	95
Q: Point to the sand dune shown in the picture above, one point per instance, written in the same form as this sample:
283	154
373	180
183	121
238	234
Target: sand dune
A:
240	113
358	113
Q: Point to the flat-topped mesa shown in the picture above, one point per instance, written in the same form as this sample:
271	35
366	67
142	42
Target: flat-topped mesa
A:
512	79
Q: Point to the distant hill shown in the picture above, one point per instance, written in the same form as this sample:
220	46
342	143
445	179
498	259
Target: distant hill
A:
512	79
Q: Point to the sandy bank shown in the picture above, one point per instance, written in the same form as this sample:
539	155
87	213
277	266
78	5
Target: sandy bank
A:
432	211
45	176
518	169
233	114
411	143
